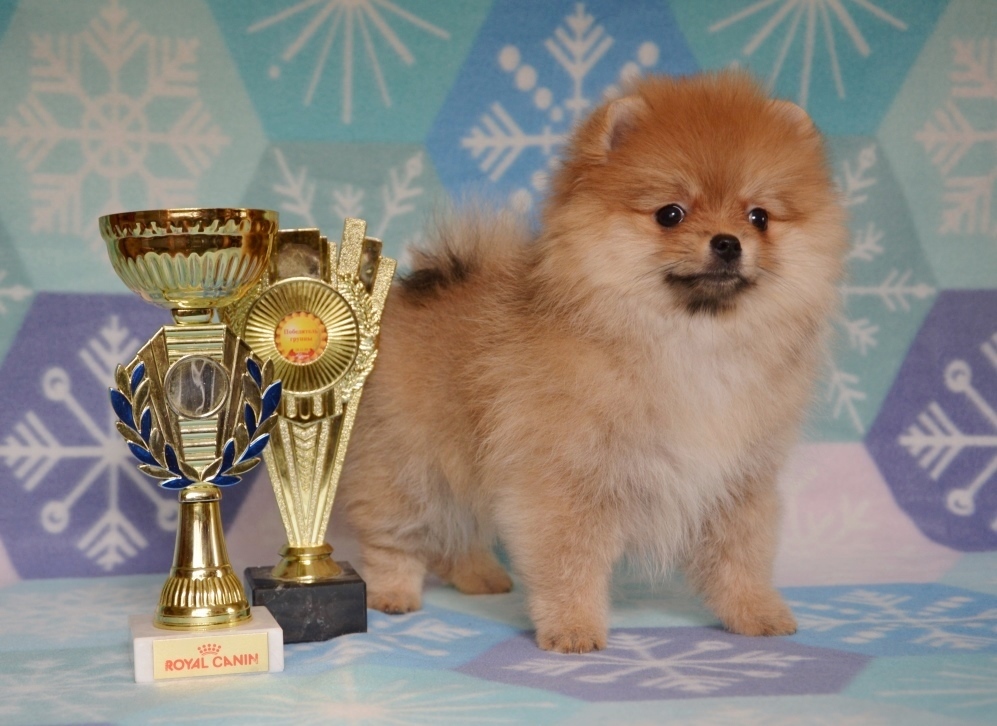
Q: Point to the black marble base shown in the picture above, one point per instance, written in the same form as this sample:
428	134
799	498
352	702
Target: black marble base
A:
314	611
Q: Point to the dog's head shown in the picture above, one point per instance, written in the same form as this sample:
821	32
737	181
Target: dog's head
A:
703	189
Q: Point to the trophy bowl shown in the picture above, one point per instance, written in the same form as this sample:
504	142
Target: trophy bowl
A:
190	261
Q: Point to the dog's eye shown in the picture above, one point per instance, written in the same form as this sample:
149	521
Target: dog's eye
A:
669	215
759	217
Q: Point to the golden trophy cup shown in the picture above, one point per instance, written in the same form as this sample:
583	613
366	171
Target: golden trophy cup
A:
196	408
314	317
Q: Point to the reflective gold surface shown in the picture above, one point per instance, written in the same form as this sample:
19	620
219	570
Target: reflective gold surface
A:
202	590
190	260
345	289
295	295
306	564
195	405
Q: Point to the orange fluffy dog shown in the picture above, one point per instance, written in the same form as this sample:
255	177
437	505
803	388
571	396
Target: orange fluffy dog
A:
627	380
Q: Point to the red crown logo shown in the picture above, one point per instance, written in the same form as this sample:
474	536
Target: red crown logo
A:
209	649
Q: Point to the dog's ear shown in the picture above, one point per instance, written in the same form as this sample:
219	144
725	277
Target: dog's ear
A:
621	117
795	115
609	126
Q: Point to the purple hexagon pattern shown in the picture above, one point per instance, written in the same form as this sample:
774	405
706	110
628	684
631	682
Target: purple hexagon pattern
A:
73	490
935	439
655	663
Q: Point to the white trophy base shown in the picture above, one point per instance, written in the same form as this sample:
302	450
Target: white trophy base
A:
256	646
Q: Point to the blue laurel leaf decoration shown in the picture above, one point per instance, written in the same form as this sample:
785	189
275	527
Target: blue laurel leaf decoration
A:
255	448
143	455
225	481
177	483
271	399
146	424
250	420
171	461
255	372
122	408
228	456
137	375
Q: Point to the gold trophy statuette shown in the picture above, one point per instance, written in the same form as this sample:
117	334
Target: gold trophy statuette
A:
314	317
196	408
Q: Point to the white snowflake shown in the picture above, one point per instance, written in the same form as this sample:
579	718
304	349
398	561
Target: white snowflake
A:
703	668
64	687
398	192
396	195
951	138
808	529
861	334
861	617
347	201
348	18
866	244
32	452
810	14
115	132
960	686
296	189
577	46
895	291
854	179
416	633
74	611
845	395
11	293
732	715
935	440
343	698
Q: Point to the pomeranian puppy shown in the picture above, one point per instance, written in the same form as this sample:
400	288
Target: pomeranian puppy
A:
627	380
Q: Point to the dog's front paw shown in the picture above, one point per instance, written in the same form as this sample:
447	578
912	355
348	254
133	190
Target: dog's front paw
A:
394	603
572	640
761	615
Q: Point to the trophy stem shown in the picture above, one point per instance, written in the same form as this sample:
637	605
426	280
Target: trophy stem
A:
192	316
202	590
306	564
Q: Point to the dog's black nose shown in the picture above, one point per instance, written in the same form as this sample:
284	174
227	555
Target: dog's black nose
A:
726	246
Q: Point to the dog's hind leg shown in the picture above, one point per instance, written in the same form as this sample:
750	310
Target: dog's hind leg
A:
475	572
394	579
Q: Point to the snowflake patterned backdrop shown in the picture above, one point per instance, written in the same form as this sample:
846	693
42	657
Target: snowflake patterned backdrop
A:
830	56
640	664
319	185
388	109
113	113
536	71
936	439
77	504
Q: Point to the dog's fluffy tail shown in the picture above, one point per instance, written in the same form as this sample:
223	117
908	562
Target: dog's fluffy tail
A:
465	244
